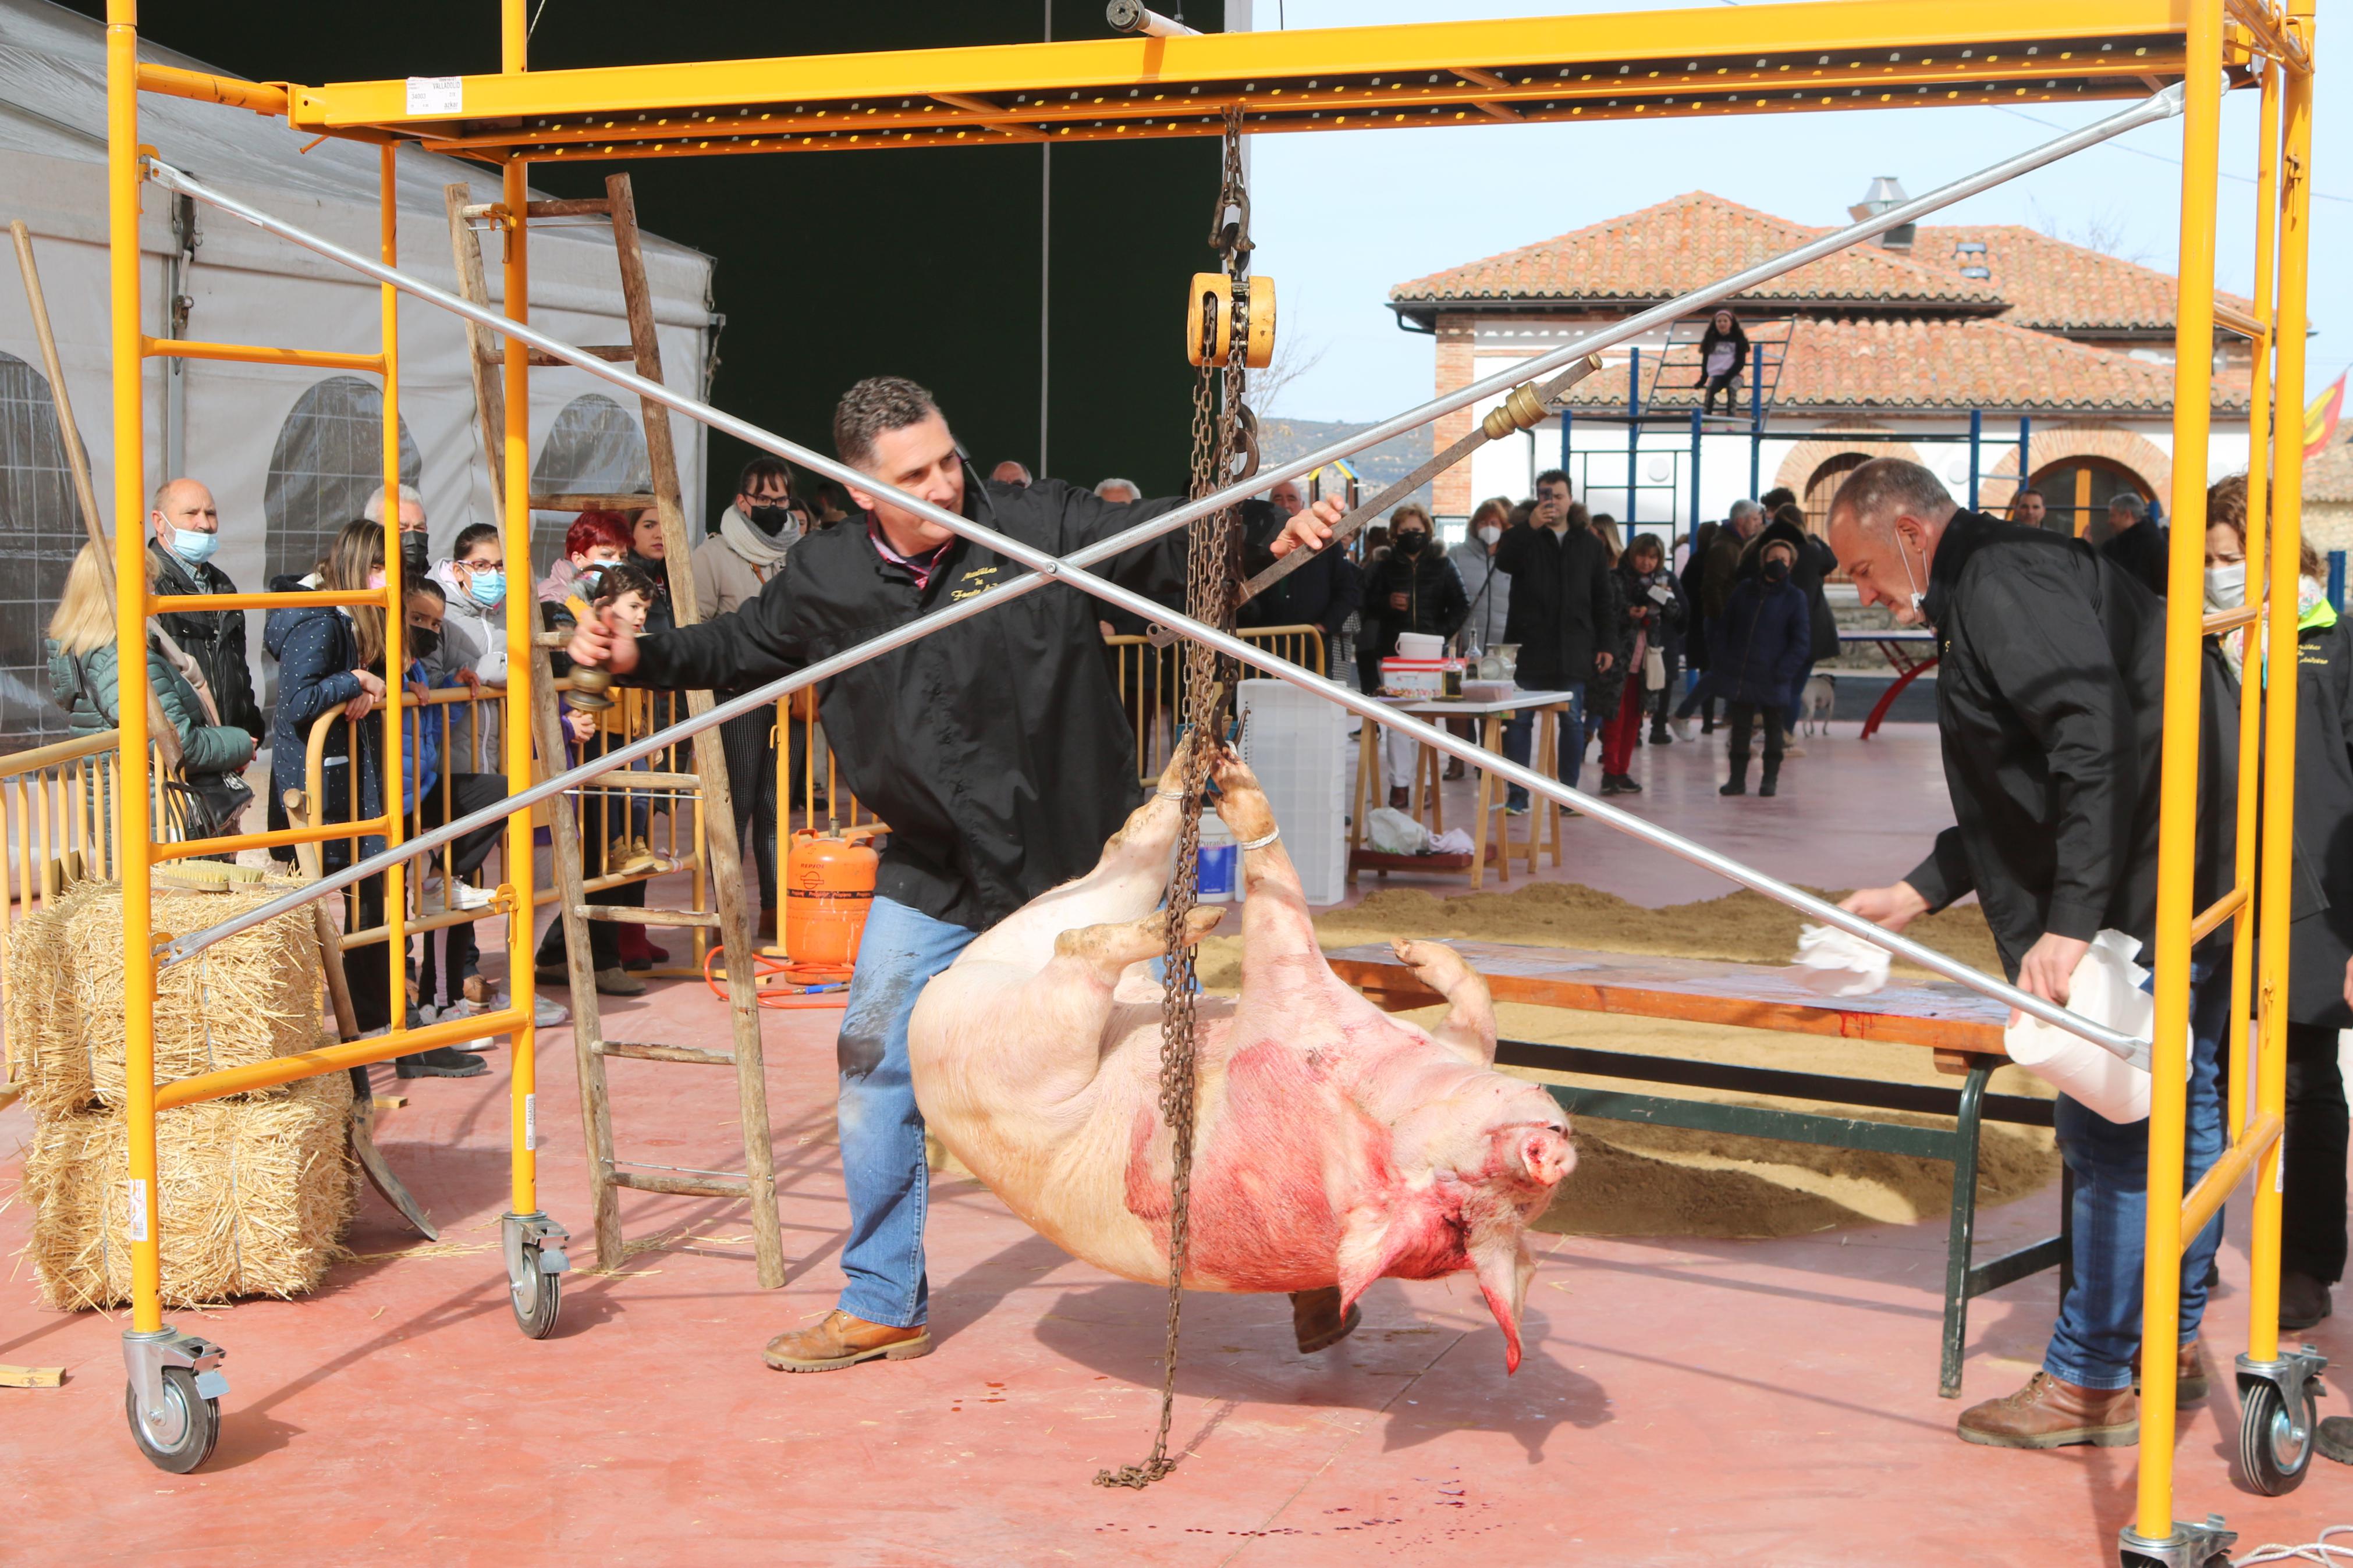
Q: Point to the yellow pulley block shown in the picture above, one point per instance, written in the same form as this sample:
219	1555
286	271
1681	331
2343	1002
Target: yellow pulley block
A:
1520	410
1220	310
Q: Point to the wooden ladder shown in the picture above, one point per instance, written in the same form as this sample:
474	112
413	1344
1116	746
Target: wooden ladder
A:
723	853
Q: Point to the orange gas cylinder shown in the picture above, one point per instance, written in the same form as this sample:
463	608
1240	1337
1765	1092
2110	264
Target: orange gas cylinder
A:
828	888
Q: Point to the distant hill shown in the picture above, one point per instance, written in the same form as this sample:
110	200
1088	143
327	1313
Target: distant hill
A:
1280	440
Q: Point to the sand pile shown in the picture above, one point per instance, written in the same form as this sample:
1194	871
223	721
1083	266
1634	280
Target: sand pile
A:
1638	1180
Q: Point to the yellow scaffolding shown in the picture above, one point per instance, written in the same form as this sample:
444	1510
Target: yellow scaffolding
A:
1799	58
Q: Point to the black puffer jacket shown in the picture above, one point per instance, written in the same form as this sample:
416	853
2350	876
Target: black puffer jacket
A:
995	749
1434	600
1815	562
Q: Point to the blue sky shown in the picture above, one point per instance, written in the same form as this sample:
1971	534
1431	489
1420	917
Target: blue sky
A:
1338	218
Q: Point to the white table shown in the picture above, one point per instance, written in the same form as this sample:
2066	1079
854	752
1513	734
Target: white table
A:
1545	826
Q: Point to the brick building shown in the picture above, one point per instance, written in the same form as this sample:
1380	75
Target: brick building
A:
1901	339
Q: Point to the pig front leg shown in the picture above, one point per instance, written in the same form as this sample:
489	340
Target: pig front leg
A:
1281	964
1469	1027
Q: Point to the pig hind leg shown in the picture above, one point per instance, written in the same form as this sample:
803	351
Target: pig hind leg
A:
1469	1027
1126	884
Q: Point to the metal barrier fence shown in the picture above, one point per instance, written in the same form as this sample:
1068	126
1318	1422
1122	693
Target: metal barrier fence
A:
621	842
1151	683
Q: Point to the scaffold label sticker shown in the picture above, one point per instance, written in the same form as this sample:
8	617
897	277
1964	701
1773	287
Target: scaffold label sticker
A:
138	1208
531	1122
437	95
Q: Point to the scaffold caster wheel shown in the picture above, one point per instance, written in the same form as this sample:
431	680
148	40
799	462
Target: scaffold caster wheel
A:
536	1266
178	1435
2276	1419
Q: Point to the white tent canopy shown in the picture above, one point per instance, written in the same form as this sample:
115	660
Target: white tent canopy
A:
289	454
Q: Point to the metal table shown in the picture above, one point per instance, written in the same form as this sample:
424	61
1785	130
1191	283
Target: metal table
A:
1903	646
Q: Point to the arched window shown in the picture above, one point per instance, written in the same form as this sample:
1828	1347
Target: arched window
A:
40	530
328	459
2076	491
596	448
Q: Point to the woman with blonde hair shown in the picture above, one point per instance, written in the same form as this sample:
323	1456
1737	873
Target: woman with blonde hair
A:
83	674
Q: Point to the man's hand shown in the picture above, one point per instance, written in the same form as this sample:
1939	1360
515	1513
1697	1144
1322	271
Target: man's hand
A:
2048	971
604	644
1893	906
1602	661
1397	602
1311	529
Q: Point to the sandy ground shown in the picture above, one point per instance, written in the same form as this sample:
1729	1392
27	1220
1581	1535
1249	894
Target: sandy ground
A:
1638	1180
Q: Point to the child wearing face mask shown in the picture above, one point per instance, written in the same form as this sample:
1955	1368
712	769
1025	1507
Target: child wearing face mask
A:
1759	643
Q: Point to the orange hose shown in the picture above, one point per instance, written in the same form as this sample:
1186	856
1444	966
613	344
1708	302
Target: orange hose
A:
811	986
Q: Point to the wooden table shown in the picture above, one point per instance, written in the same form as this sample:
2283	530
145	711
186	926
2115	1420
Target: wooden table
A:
1961	1027
1544	830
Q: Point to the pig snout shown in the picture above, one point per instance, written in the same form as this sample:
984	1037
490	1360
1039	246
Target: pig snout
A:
1540	1156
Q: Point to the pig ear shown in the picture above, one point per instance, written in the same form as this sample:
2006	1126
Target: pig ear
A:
1505	1266
1373	1240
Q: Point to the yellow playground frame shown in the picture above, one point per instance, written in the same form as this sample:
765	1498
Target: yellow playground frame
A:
1659	65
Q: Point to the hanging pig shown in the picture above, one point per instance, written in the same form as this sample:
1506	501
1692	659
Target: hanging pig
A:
1334	1144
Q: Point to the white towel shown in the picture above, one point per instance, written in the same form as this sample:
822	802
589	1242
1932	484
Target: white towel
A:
1833	962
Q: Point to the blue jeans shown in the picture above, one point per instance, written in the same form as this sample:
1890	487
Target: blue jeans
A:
1519	741
882	1131
2100	1320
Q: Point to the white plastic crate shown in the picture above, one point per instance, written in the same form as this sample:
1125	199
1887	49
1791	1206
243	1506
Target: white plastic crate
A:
1297	744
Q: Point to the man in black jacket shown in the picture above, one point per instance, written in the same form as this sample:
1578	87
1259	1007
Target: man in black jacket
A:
1563	616
2050	694
995	749
2136	544
1324	592
187	529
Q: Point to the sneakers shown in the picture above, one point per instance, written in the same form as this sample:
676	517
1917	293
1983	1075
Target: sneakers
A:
1682	728
482	996
546	1015
2049	1413
618	981
451	897
632	858
441	1061
1516	809
1658	736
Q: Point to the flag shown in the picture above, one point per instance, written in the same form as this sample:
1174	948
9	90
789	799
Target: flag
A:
2320	419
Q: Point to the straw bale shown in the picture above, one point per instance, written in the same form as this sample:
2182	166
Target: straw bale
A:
254	996
254	1195
45	1051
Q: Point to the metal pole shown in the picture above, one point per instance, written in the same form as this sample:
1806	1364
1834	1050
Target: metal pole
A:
1977	444
2025	456
136	822
1757	424
396	616
2193	376
523	620
1045	277
2158	106
1633	426
1691	530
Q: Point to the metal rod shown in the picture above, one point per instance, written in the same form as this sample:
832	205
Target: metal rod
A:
2148	110
1130	17
1048	568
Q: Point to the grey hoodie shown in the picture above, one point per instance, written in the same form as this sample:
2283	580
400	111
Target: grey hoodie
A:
472	639
1489	592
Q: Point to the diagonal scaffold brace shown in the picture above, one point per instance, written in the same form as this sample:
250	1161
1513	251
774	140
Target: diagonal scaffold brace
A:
1046	570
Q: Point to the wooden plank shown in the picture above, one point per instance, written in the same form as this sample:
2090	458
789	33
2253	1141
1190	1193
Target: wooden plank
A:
490	390
616	354
627	914
1938	1016
724	850
567	501
582	207
32	1376
680	1186
667	1054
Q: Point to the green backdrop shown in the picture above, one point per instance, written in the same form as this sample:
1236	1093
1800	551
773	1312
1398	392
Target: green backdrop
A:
835	266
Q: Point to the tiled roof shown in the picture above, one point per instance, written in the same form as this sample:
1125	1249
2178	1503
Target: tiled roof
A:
1681	244
2054	285
1941	365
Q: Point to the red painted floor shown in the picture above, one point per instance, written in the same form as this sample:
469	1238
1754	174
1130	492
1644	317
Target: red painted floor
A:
1710	1403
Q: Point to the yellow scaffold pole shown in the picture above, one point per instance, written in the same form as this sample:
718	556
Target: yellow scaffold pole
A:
514	41
395	606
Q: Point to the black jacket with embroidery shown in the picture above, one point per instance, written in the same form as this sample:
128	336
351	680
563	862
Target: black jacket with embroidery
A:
2050	697
996	749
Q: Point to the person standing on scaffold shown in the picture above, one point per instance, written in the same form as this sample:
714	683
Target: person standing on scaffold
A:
995	749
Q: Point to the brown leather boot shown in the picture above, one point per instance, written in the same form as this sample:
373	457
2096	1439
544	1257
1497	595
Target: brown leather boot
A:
1316	1321
843	1341
2049	1413
2190	1382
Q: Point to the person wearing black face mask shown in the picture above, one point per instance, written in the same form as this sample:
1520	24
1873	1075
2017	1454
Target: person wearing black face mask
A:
415	549
1413	589
1761	641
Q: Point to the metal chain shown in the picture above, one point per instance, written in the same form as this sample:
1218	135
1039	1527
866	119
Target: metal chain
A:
1212	593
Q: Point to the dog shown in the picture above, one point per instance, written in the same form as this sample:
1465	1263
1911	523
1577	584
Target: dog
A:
1817	703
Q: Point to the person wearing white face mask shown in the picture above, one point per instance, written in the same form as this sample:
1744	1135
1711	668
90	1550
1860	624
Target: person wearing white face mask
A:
2320	940
2050	700
186	528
